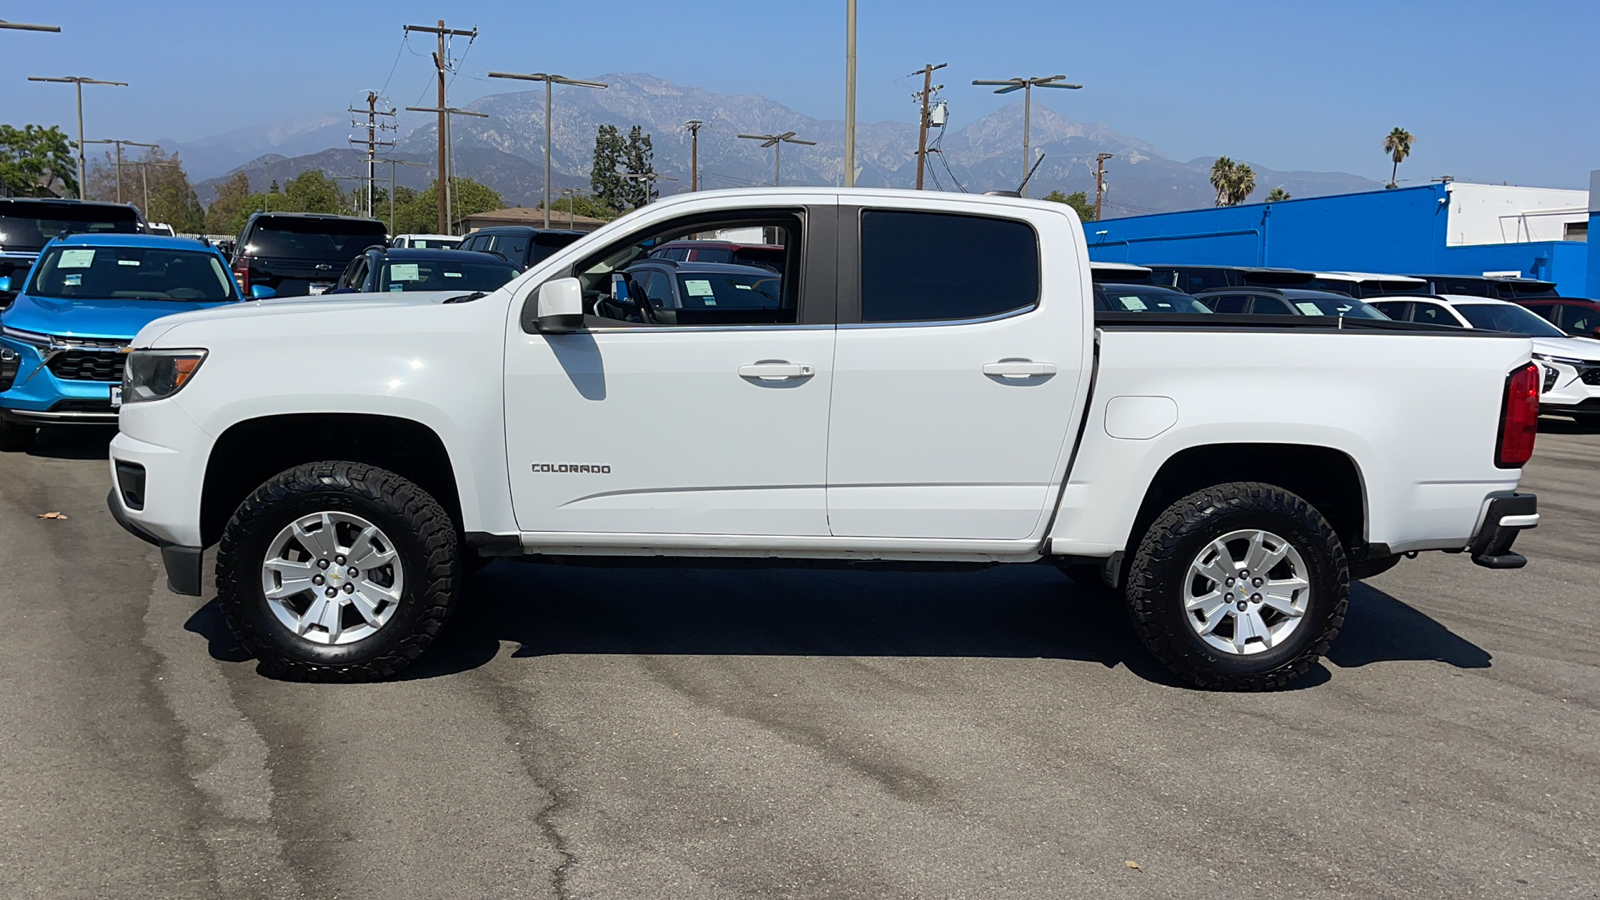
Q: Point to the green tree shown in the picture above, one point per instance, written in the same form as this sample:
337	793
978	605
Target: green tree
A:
231	206
1398	145
609	187
314	192
1234	182
582	205
1277	195
155	181
417	212
1078	200
638	159
36	162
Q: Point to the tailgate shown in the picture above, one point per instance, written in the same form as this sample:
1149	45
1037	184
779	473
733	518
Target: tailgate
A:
296	277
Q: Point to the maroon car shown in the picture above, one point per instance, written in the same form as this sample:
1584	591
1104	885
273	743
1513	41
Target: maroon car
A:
1573	315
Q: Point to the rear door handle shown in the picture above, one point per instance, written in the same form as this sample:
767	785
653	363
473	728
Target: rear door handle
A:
1019	368
776	371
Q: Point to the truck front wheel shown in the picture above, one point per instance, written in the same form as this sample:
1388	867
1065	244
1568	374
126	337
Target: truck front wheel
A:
337	571
1239	587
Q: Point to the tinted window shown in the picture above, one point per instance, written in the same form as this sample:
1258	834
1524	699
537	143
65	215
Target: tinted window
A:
545	245
1194	282
1227	303
131	273
1267	305
1337	306
931	266
330	239
754	289
1579	319
1139	298
29	226
1433	314
1504	317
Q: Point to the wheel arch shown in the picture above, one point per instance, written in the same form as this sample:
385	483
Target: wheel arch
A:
1327	478
251	451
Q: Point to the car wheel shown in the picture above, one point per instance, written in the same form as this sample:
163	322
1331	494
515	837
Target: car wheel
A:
1239	587
337	571
15	436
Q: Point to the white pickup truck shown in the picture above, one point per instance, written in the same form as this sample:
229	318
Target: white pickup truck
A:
922	381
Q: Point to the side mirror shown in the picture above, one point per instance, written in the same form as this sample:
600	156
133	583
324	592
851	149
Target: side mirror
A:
5	283
558	307
261	292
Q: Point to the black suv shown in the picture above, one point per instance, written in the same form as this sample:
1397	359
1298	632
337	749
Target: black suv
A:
28	223
294	254
1260	301
524	245
1194	279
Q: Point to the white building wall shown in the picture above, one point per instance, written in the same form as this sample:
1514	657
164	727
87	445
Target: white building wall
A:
1502	214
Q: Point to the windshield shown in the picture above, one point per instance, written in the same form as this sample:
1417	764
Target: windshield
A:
1125	298
720	290
315	238
31	233
435	243
1335	306
444	275
1505	317
131	273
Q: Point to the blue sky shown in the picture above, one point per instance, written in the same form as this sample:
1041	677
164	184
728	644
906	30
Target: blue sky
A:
1493	91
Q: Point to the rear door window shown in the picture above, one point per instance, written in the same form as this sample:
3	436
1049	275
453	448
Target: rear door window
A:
919	267
1433	314
1228	303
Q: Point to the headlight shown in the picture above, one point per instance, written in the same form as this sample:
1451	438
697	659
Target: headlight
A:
28	337
1563	360
157	374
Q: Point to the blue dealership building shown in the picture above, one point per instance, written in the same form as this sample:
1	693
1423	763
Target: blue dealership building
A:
1440	228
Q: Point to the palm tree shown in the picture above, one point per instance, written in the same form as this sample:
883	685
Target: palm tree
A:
1244	183
1398	146
1277	195
1222	175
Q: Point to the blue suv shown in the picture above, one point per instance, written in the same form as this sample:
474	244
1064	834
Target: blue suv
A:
86	296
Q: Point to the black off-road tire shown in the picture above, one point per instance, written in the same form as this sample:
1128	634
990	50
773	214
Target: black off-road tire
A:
423	535
1171	544
16	436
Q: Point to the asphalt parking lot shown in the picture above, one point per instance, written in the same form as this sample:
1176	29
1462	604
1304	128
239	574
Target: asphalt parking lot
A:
591	732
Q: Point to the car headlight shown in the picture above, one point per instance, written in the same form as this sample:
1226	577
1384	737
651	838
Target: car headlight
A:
157	374
27	337
1563	360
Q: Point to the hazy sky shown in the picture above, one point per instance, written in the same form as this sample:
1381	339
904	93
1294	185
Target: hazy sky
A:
1493	91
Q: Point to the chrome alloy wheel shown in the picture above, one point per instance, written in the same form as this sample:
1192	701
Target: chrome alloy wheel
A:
1246	592
332	578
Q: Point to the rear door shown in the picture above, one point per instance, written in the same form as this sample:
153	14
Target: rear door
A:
958	369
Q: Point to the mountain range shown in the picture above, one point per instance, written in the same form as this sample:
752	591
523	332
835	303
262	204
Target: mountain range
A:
506	150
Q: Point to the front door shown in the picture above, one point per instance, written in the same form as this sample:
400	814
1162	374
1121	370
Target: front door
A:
703	420
958	371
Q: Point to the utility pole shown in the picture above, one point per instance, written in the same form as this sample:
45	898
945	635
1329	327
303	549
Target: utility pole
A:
694	126
374	128
392	163
776	142
922	134
80	81
441	65
1026	85
548	80
849	93
119	162
1100	181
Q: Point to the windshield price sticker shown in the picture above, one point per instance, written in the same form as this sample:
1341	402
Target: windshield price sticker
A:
1132	302
698	287
404	272
76	259
1309	309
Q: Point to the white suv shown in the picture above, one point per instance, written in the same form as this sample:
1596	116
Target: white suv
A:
1571	364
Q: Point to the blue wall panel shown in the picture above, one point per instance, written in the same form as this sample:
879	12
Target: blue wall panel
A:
1395	231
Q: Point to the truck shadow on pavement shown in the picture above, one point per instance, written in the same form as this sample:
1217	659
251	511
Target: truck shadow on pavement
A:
77	442
1007	612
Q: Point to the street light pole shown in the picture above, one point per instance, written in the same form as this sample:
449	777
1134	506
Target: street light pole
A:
120	144
80	81
776	142
24	26
849	93
1026	85
447	166
548	80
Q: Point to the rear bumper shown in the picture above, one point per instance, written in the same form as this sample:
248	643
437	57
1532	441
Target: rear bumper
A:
1504	516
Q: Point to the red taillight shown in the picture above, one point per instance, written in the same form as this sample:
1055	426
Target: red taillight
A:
241	274
1519	419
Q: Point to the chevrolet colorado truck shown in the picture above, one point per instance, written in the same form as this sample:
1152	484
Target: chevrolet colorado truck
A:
928	384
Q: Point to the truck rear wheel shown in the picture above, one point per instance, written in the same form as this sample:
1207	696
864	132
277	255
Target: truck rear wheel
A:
337	571
1239	587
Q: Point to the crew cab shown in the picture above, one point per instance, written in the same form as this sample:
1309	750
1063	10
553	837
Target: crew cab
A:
352	457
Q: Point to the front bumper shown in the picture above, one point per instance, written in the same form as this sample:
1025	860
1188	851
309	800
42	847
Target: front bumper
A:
35	396
1504	516
184	565
1572	388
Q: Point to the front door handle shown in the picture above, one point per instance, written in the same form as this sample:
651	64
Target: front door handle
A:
1019	368
776	370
